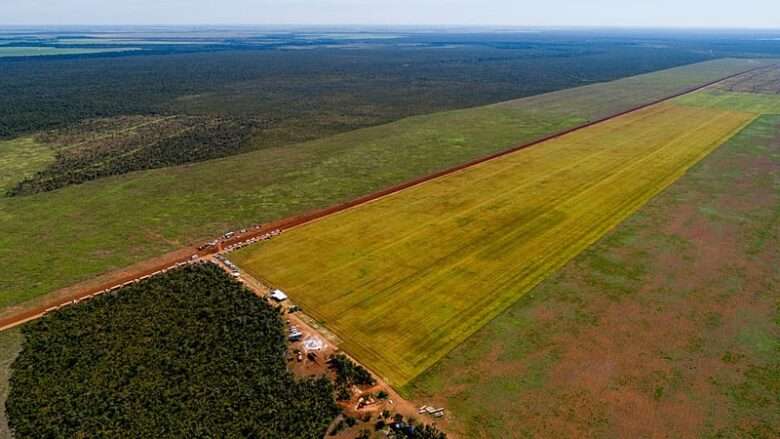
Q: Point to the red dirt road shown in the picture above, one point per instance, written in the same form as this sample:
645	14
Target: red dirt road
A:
31	310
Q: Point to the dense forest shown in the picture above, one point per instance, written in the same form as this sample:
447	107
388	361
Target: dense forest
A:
228	101
348	374
190	353
336	86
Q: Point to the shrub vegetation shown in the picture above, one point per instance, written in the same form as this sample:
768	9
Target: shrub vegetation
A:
106	147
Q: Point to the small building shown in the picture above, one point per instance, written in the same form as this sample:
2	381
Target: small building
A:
278	295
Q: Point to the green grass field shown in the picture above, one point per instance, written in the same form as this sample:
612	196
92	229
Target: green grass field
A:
580	100
404	279
736	101
129	41
20	158
6	51
51	240
669	323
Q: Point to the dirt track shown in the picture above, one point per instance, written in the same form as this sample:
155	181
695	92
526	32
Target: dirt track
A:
308	368
20	314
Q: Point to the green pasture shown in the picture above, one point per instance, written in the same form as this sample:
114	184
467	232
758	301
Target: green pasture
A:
20	158
736	101
135	42
6	51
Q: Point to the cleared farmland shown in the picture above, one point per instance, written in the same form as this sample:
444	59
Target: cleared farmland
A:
117	221
668	324
406	278
21	158
736	101
50	51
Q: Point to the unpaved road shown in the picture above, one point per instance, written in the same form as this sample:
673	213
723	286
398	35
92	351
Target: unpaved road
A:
17	315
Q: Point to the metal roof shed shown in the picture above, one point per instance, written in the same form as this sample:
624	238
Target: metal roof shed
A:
278	295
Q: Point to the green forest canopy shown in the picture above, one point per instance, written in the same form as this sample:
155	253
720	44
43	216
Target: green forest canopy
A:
190	353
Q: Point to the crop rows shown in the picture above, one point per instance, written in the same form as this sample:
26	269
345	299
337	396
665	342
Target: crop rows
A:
455	251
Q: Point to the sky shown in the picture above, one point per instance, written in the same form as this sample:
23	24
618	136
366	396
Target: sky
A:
620	13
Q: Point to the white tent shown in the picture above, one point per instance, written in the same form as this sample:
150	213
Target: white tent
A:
313	344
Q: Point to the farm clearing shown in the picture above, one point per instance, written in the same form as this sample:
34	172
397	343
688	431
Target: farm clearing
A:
20	158
668	324
114	222
569	233
454	252
30	51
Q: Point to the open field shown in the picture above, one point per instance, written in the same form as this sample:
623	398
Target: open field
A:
454	252
6	51
764	81
579	101
667	327
117	221
736	101
21	158
128	41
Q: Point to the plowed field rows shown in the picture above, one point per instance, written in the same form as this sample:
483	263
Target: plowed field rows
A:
112	223
406	278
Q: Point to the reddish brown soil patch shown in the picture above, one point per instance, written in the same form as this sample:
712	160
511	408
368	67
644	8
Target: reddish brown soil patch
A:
649	334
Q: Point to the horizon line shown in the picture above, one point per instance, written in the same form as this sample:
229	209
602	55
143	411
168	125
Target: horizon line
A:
477	26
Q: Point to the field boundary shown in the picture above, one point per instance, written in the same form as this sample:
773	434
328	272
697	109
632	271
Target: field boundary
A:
110	281
304	218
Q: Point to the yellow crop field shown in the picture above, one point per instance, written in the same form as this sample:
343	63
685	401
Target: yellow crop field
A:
404	279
